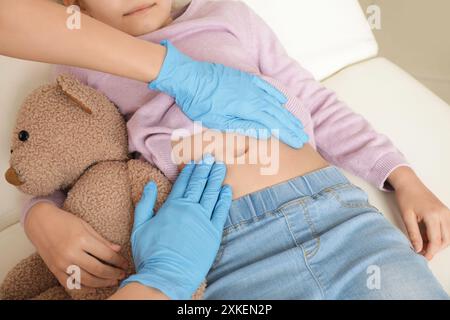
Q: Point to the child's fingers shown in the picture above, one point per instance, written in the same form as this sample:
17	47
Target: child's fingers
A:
62	278
91	281
113	257
412	227
99	269
85	279
105	253
433	225
96	235
445	231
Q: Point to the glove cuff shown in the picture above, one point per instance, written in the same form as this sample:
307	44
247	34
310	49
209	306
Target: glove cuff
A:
167	81
173	290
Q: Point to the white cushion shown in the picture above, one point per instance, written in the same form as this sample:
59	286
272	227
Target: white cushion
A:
323	35
417	122
14	246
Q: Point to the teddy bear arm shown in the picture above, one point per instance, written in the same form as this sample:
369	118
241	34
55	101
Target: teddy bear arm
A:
141	173
101	197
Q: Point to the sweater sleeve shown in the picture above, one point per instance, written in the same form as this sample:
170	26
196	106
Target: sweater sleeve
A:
342	137
57	198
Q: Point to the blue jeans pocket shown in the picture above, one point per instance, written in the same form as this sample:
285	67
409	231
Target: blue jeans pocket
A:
348	195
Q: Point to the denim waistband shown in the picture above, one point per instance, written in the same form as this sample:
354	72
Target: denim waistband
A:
269	199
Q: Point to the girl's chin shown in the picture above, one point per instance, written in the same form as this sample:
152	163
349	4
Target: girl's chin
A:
142	27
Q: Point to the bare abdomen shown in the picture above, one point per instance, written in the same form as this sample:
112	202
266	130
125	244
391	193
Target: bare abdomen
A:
252	164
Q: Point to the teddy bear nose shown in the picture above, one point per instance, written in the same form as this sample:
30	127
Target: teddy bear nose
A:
12	177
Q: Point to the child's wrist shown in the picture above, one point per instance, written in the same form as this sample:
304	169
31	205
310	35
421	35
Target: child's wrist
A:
35	213
402	177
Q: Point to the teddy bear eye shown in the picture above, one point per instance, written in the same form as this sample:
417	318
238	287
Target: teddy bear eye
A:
23	135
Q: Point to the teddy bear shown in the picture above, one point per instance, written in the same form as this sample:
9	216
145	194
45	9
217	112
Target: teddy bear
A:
69	136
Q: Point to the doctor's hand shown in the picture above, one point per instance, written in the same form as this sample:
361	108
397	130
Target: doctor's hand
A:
174	249
227	99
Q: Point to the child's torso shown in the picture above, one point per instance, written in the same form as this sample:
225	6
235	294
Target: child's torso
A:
152	116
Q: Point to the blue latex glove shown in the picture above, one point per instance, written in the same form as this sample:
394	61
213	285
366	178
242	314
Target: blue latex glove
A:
174	249
227	99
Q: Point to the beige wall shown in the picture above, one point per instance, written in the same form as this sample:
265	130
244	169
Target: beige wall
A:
415	34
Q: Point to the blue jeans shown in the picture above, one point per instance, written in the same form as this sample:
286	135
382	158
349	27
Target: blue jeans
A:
316	237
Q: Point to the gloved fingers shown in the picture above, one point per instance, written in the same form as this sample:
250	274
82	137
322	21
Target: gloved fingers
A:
198	180
213	188
296	140
284	115
287	120
285	135
295	131
179	187
270	89
222	208
249	128
144	209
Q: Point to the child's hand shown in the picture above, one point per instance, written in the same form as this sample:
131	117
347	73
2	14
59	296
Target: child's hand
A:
63	239
426	218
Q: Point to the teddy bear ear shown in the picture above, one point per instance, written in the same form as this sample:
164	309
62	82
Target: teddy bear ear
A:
76	91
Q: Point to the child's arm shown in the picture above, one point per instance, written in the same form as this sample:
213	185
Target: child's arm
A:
40	33
63	239
349	141
36	30
342	137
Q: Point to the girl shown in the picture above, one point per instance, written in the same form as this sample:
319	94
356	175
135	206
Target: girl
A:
305	232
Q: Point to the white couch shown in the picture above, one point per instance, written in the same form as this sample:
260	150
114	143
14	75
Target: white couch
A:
329	39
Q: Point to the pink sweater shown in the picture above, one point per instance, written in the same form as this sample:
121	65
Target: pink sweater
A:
230	33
